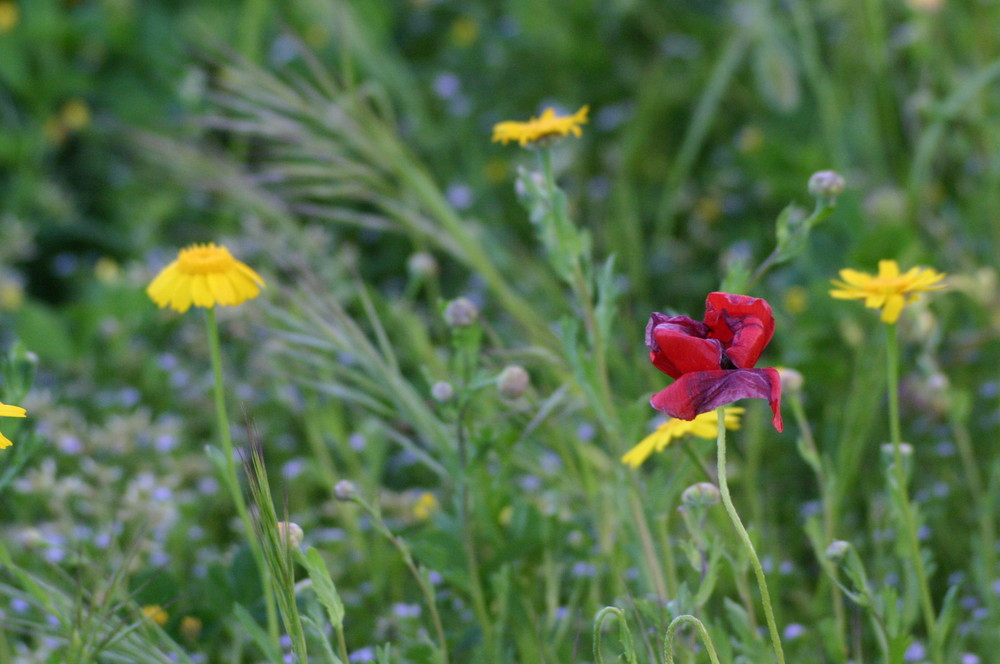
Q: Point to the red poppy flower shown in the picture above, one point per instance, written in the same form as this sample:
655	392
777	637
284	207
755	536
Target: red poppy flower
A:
713	359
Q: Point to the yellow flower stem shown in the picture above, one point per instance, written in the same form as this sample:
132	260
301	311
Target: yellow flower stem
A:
222	423
905	509
727	501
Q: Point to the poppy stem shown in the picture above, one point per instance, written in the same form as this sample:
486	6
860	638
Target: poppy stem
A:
727	501
222	422
902	492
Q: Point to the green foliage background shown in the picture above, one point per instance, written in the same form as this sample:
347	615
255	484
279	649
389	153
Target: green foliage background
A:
326	144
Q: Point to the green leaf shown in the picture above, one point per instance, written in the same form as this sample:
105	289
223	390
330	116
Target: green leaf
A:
256	633
324	587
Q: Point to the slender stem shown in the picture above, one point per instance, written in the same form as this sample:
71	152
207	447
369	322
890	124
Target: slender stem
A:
827	504
727	501
905	509
668	641
469	540
411	565
222	423
646	539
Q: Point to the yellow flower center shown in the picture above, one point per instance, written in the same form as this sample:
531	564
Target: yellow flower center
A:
205	259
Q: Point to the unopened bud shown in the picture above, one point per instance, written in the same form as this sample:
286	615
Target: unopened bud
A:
513	382
837	550
700	495
291	533
826	184
345	491
442	391
905	451
461	312
791	380
422	265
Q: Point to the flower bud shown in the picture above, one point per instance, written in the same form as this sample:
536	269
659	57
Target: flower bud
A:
442	391
422	265
837	550
905	451
291	533
513	382
791	380
700	495
461	312
826	184
345	491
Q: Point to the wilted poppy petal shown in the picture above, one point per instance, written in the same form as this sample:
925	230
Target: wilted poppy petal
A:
695	328
744	323
702	391
680	353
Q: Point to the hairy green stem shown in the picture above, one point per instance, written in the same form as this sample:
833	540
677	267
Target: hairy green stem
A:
668	639
425	587
222	423
905	508
727	501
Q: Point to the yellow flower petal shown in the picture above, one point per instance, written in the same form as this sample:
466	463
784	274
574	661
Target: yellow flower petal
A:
204	275
704	425
12	411
547	125
890	290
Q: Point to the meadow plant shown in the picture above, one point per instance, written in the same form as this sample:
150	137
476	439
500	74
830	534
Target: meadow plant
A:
462	454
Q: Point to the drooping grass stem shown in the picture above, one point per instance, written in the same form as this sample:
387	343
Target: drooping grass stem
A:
727	501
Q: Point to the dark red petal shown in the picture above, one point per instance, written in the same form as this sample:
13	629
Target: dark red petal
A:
703	391
693	327
742	323
680	353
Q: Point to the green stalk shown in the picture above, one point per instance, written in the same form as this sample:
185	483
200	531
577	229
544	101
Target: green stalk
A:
906	510
815	461
222	422
668	641
727	501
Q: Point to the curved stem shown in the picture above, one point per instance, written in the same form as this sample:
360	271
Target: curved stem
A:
727	501
222	423
668	640
905	508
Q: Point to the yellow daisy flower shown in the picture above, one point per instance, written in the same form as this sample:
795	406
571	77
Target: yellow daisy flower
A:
425	506
537	129
705	425
9	411
156	613
204	275
889	291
